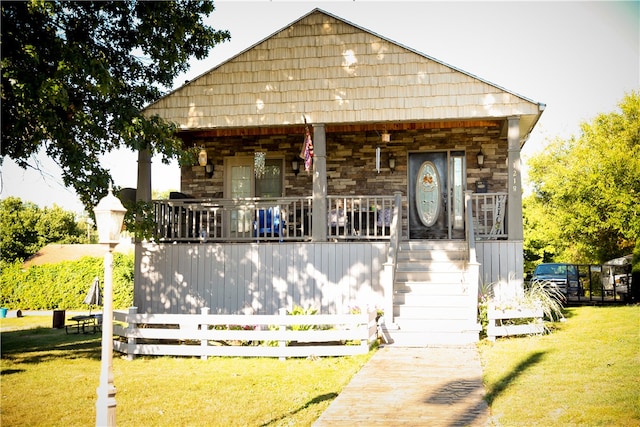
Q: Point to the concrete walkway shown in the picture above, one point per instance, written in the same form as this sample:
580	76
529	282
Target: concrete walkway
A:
400	386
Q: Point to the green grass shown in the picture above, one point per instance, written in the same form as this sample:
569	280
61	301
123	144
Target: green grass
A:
50	378
585	373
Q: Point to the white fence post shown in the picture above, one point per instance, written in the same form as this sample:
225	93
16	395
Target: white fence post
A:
131	332
204	326
364	328
282	343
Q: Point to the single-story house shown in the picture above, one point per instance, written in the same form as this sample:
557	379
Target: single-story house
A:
338	169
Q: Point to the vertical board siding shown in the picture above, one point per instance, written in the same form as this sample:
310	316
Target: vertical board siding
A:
258	278
501	263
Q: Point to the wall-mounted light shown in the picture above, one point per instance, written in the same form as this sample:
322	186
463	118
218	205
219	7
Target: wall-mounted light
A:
385	137
202	157
209	169
480	158
295	165
392	162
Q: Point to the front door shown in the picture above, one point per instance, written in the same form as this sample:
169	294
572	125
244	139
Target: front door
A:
436	195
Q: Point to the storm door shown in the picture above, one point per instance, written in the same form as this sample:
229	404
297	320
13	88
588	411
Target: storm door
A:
436	195
241	183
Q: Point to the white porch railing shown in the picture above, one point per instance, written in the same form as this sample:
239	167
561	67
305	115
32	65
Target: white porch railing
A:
250	219
279	335
264	219
359	217
289	218
489	214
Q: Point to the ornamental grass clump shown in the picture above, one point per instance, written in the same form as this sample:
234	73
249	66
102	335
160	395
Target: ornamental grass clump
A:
545	295
537	295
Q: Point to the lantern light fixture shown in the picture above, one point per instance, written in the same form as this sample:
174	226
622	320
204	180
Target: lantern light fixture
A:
385	137
295	166
392	162
109	218
209	169
480	158
202	157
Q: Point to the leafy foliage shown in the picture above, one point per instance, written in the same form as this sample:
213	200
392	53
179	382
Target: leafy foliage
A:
537	294
76	75
25	228
586	190
544	294
139	219
63	285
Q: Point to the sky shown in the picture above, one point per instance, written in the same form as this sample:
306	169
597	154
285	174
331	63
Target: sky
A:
578	58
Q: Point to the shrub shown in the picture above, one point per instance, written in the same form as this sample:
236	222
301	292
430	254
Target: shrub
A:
537	294
63	285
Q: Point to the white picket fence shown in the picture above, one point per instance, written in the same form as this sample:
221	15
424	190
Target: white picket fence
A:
499	327
278	335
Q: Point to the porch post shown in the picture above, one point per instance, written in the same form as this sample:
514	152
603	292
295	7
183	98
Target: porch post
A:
319	218
514	218
143	192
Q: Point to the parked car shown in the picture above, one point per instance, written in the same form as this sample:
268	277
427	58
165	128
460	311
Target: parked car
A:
565	277
616	275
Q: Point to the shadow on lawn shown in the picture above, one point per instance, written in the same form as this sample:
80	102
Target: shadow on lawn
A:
41	344
504	382
314	401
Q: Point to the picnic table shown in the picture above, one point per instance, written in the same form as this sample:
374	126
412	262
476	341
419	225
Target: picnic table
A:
87	323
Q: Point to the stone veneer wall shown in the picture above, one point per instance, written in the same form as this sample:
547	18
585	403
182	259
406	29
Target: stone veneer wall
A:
351	160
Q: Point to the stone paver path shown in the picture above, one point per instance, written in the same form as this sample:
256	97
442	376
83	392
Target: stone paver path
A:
400	386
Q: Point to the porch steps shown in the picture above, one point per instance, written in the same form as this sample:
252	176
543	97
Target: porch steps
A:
430	302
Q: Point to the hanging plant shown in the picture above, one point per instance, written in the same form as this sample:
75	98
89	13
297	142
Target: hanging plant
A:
259	163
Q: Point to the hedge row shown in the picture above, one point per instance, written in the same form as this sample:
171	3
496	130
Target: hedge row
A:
64	285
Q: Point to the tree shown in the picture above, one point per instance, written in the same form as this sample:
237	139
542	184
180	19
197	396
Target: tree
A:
585	206
25	228
75	76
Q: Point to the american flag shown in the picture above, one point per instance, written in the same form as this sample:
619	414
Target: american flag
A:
307	149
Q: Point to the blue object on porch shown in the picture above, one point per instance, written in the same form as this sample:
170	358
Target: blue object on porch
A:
269	223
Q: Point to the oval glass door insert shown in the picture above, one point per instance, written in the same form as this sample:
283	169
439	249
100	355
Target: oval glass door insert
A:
428	193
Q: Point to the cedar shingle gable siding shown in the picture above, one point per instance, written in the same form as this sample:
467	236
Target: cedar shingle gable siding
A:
333	72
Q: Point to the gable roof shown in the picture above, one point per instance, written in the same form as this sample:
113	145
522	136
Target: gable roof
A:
331	71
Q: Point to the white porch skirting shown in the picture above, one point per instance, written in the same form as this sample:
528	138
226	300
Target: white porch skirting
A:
259	278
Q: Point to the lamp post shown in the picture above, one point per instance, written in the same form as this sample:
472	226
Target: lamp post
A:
109	217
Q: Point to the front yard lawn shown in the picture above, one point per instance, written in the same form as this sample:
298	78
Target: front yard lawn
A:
585	373
50	378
